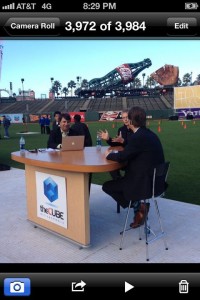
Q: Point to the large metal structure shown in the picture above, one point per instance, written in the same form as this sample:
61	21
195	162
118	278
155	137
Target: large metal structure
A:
114	82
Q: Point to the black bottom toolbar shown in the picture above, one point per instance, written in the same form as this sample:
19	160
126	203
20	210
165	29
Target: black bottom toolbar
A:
73	284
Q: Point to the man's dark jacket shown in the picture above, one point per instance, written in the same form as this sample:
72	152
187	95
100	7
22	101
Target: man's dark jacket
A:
82	129
126	134
55	137
142	153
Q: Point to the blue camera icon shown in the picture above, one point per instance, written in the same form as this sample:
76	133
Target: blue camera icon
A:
17	287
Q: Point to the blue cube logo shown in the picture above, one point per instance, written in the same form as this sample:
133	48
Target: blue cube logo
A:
50	189
17	287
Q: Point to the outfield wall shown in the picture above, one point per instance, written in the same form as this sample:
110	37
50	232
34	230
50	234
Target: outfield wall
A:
14	118
87	116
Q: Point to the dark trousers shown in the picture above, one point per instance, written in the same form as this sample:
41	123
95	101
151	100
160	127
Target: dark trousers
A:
47	129
115	174
42	129
114	188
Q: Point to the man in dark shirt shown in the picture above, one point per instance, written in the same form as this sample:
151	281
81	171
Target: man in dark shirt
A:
82	129
124	134
55	123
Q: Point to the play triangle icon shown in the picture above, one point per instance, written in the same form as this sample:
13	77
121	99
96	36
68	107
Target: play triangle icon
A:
128	286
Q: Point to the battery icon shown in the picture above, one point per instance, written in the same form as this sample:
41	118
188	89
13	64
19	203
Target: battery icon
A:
191	5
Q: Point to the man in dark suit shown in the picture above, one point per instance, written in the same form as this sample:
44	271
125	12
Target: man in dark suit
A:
55	123
141	154
55	137
82	129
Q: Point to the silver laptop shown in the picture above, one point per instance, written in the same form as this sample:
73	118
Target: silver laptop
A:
70	143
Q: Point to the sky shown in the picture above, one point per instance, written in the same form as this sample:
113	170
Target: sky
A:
38	60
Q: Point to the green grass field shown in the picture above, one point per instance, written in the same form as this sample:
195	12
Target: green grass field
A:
181	146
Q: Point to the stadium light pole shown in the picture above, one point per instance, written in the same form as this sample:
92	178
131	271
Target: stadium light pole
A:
22	80
143	75
52	79
79	81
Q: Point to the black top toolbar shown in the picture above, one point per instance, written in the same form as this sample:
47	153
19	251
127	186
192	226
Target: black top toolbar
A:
100	25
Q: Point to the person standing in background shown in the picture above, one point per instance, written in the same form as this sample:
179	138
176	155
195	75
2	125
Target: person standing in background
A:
24	122
6	125
42	124
47	124
56	123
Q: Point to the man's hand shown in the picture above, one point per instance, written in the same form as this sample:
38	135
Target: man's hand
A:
118	139
167	75
104	135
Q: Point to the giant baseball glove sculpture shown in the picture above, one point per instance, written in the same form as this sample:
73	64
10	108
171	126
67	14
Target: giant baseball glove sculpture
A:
167	75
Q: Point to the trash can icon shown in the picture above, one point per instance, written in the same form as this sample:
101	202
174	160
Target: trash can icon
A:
183	287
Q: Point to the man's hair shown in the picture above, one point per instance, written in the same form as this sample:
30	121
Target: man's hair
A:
137	116
57	112
125	111
77	118
65	116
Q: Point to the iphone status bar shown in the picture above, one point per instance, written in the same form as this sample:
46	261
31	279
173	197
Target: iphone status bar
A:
98	6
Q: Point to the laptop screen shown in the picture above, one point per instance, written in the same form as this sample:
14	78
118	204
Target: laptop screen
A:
70	143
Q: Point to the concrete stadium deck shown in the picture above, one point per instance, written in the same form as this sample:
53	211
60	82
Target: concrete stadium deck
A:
20	242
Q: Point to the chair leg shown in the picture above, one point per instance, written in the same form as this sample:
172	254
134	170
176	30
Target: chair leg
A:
124	229
161	226
118	208
146	232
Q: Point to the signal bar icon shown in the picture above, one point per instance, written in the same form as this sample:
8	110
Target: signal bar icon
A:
10	6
